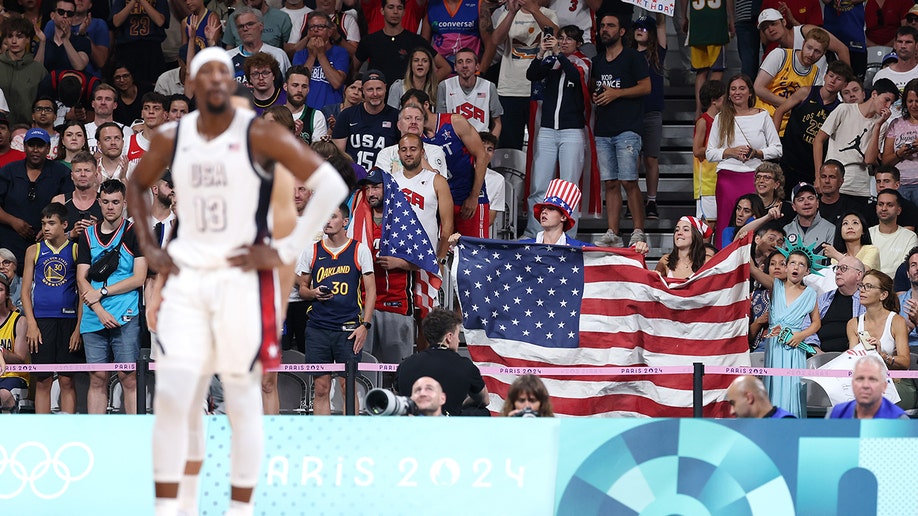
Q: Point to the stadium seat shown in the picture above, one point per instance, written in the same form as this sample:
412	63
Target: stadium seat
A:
757	359
817	401
511	164
817	361
874	63
293	393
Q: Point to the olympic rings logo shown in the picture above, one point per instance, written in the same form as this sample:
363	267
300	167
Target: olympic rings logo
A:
50	488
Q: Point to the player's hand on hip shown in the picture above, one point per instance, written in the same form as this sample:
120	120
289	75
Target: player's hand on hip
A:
257	257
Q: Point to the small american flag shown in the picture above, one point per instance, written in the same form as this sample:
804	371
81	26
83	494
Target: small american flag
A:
536	305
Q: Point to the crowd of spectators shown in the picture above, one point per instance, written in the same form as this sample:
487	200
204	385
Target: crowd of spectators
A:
793	149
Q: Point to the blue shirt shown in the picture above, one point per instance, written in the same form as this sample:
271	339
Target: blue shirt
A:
321	93
913	334
887	411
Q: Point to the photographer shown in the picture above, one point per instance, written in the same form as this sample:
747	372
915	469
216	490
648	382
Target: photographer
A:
466	394
527	397
428	395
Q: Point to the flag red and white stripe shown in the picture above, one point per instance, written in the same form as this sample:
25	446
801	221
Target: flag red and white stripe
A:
630	316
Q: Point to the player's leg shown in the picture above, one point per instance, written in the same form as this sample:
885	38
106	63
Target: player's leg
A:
244	410
188	487
183	347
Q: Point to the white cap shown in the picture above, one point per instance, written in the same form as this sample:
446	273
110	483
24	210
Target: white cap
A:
768	15
207	55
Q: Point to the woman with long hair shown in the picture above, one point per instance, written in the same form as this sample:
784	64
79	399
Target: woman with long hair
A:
748	207
561	139
650	41
853	239
421	74
882	327
73	140
742	136
527	392
688	254
901	149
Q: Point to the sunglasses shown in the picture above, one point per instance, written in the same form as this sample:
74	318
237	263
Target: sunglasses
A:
65	13
911	18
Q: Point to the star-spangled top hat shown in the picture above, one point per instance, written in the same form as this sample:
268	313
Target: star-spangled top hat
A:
562	195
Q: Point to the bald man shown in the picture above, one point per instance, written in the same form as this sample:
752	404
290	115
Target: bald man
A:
868	383
428	395
749	399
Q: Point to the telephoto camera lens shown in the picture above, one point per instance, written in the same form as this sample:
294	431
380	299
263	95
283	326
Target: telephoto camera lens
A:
381	402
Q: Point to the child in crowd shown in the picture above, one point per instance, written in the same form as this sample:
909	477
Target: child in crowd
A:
52	310
494	182
791	302
704	173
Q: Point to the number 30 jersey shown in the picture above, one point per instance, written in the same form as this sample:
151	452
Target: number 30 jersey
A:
222	196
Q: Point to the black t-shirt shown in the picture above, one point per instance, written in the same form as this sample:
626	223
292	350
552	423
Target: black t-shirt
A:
389	54
366	134
834	212
622	114
457	375
833	334
129	239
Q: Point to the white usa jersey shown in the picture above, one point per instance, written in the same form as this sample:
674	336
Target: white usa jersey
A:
224	197
574	12
421	195
474	105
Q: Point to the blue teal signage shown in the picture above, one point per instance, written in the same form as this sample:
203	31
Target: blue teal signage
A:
337	465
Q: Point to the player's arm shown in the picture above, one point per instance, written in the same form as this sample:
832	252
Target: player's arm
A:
472	142
32	334
329	190
445	209
819	142
148	171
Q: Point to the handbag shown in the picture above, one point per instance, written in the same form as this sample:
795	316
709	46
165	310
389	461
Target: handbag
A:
106	263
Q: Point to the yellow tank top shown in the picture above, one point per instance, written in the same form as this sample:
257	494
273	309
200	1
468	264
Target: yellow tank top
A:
790	78
8	338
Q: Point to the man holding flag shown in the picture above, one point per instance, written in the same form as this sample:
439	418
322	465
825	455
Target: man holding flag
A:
406	265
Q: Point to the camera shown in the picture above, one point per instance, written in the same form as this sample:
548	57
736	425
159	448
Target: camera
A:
380	402
527	412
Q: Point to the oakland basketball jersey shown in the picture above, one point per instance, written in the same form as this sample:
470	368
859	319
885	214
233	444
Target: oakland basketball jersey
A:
54	282
225	197
8	338
474	105
340	272
423	200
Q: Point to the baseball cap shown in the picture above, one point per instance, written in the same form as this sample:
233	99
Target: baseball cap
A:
802	187
372	75
374	177
645	22
769	15
892	56
37	134
913	10
6	254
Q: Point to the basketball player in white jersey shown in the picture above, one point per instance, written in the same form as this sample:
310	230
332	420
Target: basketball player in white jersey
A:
218	313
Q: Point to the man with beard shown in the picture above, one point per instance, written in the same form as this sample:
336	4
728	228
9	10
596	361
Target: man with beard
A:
163	217
26	187
82	204
784	71
428	194
310	123
363	130
391	339
622	79
218	307
112	162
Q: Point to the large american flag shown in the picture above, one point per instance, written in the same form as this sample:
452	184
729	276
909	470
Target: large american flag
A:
402	237
536	305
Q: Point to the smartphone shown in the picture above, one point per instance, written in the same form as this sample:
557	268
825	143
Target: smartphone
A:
863	336
598	89
548	31
85	215
324	290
